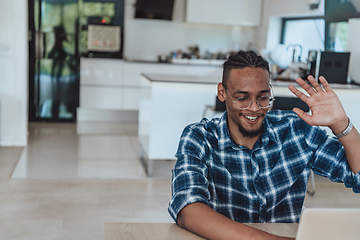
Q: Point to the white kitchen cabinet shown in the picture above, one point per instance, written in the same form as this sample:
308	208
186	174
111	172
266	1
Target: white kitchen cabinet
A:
132	97
101	72
135	89
174	101
133	70
233	12
101	84
112	84
101	97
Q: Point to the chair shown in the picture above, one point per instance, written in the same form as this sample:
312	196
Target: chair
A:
288	103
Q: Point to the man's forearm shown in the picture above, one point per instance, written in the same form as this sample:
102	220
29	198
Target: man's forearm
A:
202	220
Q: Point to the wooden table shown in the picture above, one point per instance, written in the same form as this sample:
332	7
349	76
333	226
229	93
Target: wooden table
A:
170	231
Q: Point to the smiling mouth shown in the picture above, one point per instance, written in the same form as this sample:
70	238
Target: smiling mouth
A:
252	118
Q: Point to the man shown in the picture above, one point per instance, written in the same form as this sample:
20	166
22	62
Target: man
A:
253	164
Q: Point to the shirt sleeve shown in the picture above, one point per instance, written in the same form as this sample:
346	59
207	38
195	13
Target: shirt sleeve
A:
189	181
330	159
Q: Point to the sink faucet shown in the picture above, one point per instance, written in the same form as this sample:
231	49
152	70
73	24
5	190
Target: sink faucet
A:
296	50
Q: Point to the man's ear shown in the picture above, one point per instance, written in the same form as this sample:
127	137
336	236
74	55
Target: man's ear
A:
221	92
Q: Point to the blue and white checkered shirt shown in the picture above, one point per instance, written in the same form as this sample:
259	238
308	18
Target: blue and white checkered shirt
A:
265	184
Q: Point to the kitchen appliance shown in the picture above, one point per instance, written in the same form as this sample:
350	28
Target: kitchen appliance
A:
102	28
334	66
154	9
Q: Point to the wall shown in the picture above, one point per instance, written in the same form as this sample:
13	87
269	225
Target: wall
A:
14	72
268	34
354	47
147	38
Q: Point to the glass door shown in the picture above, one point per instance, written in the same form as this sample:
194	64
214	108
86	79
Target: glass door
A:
54	60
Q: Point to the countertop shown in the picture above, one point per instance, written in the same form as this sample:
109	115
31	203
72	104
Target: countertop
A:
187	62
213	79
177	78
182	62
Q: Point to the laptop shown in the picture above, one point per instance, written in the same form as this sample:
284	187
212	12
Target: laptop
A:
329	224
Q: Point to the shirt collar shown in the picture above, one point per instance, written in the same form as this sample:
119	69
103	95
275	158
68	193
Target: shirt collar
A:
225	140
268	136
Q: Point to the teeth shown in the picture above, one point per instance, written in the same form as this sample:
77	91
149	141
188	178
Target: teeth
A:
251	118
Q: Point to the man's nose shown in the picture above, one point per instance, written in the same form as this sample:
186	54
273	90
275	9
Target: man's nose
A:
254	105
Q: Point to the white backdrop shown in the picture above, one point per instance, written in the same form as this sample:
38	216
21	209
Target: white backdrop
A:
354	47
13	72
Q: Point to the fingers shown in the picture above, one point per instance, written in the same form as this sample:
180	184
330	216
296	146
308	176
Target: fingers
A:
314	86
309	89
314	83
298	93
325	84
304	116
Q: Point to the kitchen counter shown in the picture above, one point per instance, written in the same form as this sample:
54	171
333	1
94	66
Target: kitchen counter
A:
332	85
194	62
214	79
188	79
174	101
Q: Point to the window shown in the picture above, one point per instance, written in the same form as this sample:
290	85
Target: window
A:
309	33
337	14
329	32
337	36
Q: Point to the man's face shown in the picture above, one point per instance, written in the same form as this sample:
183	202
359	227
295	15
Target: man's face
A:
246	84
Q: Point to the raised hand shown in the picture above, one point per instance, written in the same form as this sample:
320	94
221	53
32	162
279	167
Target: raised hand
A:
326	108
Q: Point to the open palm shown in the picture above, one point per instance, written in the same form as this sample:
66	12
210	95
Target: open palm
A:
325	106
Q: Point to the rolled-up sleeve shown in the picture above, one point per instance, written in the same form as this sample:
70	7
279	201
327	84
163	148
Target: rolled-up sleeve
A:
330	160
189	176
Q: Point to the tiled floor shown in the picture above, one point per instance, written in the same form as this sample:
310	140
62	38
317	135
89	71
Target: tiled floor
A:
57	151
67	185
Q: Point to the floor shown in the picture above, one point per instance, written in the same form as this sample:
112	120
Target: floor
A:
71	179
67	185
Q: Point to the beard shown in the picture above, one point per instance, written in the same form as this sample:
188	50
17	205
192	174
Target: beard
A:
250	134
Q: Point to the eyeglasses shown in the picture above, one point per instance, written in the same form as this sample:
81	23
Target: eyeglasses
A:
265	101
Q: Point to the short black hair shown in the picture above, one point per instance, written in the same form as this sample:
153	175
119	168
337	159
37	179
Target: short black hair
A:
243	59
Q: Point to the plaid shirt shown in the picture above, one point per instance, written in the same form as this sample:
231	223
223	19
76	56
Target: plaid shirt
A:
265	184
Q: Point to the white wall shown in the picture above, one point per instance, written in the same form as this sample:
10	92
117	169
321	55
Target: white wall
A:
354	47
147	38
13	72
268	34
